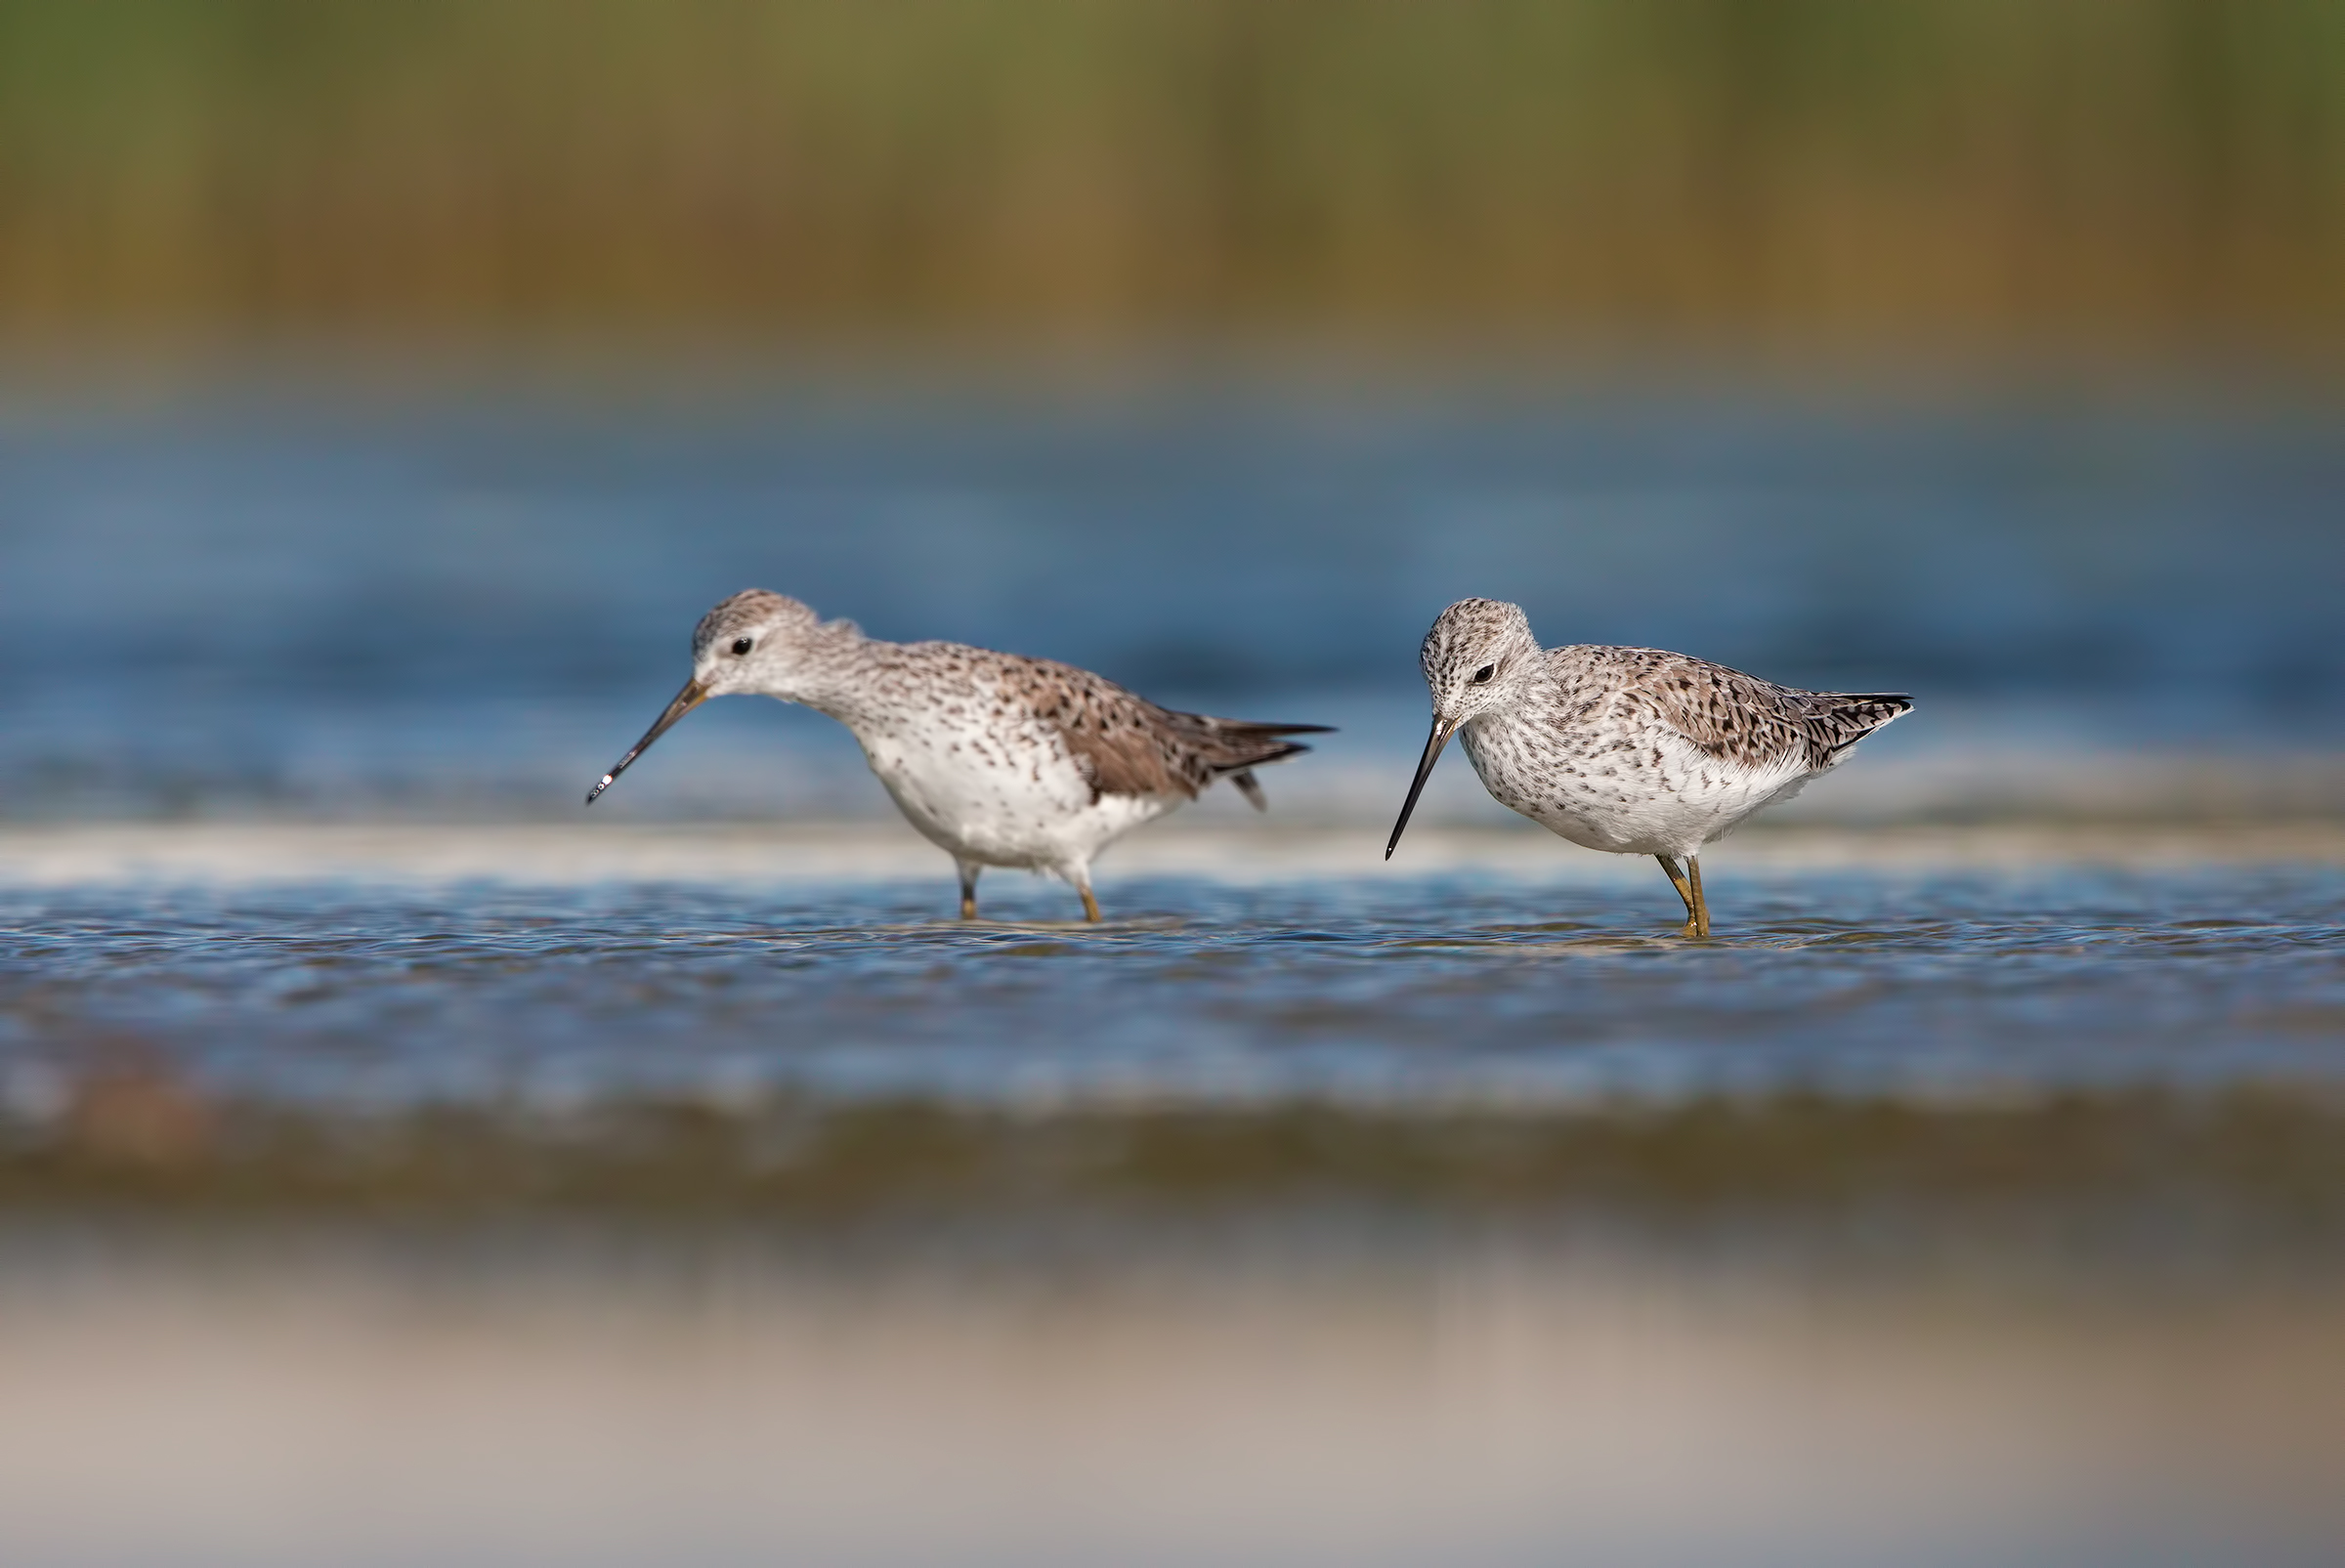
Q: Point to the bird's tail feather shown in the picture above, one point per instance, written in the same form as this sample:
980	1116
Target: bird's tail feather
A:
1848	717
1235	745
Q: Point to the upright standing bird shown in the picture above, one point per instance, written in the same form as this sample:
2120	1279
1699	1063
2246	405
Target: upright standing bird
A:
1627	749
997	759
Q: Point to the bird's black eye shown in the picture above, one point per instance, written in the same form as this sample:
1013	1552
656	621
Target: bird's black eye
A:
741	645
1481	677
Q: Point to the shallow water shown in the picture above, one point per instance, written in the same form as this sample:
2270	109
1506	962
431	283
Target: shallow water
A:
1450	989
1945	1208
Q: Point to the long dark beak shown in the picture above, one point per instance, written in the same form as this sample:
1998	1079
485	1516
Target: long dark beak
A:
1443	729
692	697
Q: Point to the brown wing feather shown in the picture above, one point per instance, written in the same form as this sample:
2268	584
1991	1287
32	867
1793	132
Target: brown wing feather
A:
1750	722
1128	745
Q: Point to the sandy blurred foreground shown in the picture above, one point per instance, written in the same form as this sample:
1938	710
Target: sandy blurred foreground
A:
1263	1398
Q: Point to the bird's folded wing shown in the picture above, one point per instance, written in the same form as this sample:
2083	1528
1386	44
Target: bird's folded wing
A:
1128	745
1753	723
1737	719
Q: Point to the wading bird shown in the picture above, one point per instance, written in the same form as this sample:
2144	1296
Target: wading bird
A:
997	759
1631	750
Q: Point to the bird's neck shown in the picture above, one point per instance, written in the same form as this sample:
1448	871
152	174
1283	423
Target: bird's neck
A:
828	670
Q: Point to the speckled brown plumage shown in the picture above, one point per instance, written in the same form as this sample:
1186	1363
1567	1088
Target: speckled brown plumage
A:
1737	719
1124	744
1128	745
1633	750
1000	759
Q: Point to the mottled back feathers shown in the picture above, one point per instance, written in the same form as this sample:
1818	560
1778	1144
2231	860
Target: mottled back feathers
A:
1122	743
1740	719
1128	745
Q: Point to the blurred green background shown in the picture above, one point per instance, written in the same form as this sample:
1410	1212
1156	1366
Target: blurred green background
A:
1964	176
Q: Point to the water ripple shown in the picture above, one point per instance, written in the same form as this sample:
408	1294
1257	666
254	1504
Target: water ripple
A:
1439	991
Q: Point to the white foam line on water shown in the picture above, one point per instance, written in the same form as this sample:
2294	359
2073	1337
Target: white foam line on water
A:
75	854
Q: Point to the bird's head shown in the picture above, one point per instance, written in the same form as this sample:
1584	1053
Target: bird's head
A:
756	641
1477	654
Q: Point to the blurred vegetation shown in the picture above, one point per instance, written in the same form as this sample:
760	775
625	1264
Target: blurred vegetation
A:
1958	171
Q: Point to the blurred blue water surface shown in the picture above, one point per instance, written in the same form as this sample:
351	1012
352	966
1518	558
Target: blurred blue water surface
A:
281	604
1424	992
